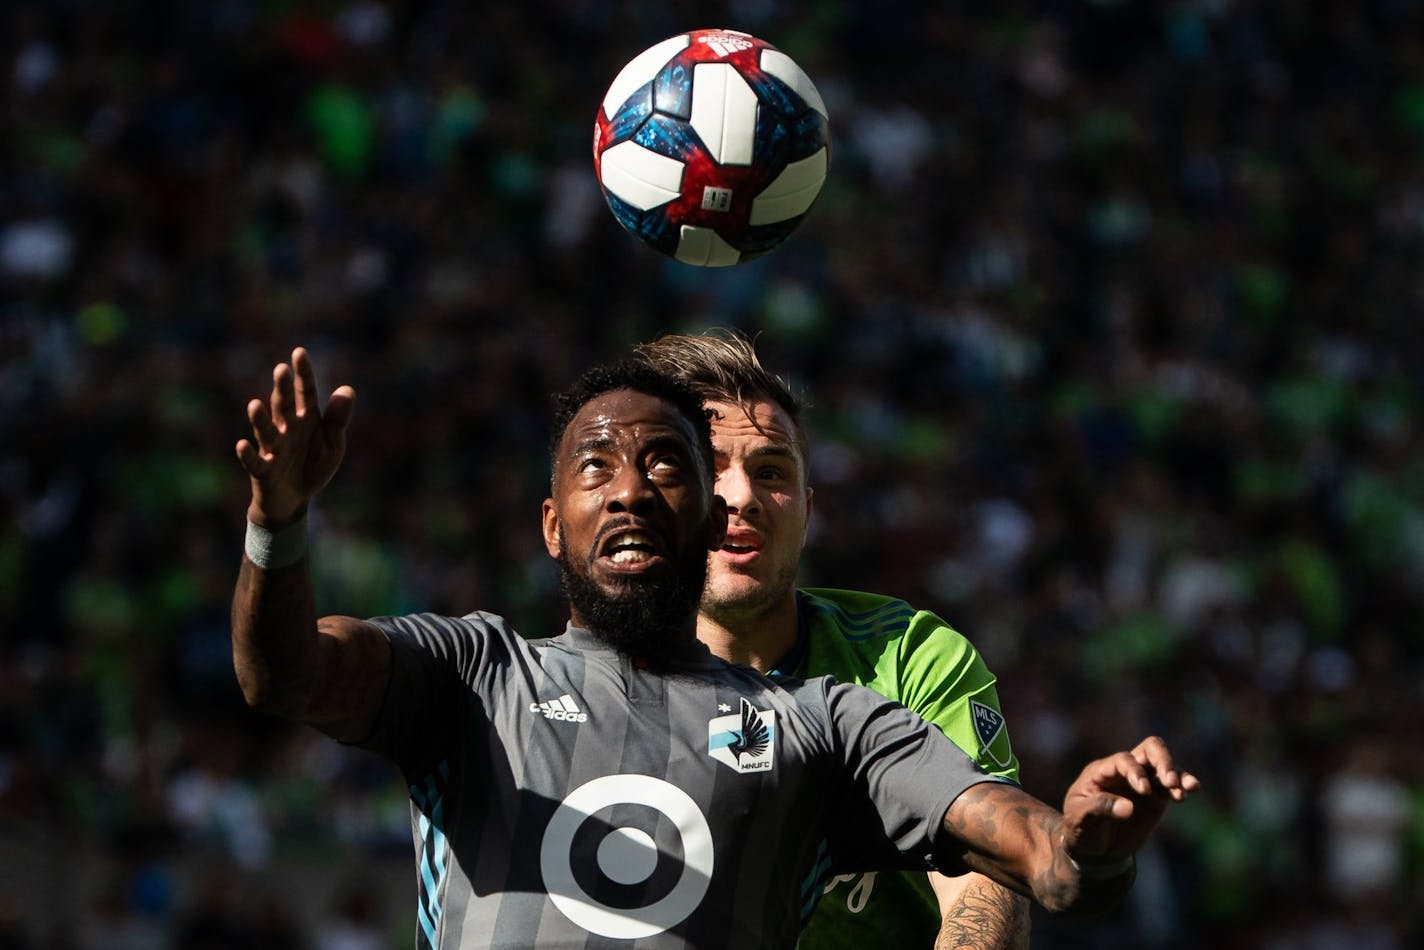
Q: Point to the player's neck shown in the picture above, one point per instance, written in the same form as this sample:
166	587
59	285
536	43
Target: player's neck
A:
758	639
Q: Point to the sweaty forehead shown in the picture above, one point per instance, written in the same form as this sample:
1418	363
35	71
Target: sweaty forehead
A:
625	415
763	420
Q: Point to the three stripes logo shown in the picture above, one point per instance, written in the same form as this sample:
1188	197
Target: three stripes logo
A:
564	709
725	44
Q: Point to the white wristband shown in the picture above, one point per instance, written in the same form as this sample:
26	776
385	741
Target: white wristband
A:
270	550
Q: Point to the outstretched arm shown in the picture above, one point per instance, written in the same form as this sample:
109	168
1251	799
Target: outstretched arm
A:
1080	860
977	913
330	673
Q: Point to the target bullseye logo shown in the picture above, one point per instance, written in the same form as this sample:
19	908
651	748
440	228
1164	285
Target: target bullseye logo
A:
626	856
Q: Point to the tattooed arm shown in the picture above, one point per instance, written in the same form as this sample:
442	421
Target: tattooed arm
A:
1082	859
978	914
331	673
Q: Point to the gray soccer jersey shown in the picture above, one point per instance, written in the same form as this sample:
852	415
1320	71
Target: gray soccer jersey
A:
564	795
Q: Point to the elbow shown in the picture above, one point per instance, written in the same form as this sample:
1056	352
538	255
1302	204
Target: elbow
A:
1084	895
262	694
258	697
1058	897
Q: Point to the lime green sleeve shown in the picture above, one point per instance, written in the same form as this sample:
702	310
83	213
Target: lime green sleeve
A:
913	657
940	676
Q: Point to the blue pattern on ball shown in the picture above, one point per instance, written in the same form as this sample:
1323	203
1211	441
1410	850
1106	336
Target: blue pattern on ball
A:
807	135
778	95
657	229
658	117
670	136
672	90
629	116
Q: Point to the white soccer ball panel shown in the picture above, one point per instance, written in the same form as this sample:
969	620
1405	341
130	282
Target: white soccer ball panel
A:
783	67
792	192
724	113
702	246
641	177
640	69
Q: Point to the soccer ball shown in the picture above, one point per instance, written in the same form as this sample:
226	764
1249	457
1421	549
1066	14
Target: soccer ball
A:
711	146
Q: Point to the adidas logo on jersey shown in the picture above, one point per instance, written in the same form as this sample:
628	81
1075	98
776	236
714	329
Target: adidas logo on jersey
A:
564	708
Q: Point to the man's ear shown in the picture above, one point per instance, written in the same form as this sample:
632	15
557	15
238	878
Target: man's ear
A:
550	519
717	523
806	524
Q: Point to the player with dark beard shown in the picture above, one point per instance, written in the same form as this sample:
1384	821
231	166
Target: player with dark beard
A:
611	785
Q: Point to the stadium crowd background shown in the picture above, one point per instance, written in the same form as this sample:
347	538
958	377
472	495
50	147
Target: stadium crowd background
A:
1111	314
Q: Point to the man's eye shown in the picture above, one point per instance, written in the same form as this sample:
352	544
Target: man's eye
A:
590	465
771	474
666	463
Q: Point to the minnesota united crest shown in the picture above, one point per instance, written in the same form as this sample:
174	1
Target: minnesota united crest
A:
745	740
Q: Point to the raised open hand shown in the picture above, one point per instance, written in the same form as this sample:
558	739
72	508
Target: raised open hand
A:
296	447
1116	802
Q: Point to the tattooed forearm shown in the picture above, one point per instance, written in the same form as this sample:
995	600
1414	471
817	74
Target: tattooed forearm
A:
994	824
986	916
1013	838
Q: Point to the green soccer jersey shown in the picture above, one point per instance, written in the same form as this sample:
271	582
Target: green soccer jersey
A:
918	660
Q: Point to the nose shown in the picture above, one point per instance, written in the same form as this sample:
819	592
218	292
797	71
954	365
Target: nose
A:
630	490
735	487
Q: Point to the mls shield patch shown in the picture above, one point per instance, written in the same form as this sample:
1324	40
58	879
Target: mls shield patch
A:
745	740
988	723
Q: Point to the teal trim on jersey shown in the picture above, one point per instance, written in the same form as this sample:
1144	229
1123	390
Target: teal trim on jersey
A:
915	658
883	620
433	864
429	798
811	888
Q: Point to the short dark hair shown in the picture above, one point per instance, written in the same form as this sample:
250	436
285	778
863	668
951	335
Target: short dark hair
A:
639	376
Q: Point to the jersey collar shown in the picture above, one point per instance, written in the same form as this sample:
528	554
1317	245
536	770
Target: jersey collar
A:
796	656
694	655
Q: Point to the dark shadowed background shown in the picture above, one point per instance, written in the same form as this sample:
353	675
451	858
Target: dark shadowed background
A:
1111	314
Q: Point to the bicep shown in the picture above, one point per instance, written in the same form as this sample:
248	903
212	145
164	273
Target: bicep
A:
353	670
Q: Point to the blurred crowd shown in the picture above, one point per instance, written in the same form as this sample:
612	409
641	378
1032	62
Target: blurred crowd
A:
1111	315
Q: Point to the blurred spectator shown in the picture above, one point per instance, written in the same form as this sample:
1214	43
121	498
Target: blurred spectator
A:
355	920
1110	313
1367	813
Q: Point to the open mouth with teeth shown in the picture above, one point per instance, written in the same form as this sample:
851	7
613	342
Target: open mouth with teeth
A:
742	545
631	549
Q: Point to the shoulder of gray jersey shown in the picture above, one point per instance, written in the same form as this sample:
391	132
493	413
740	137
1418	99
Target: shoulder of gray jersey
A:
908	771
455	640
434	661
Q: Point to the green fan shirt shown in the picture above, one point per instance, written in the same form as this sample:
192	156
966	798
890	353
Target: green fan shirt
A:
915	658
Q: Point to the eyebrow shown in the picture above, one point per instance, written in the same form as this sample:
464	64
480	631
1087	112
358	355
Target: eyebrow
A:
768	451
590	444
670	441
597	443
